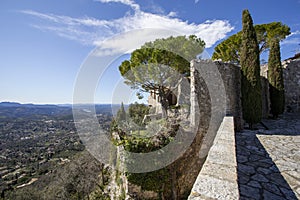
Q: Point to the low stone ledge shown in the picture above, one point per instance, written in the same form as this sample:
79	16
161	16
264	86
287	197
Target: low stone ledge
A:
218	177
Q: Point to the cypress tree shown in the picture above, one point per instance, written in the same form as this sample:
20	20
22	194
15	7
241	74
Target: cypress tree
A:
250	68
121	114
275	77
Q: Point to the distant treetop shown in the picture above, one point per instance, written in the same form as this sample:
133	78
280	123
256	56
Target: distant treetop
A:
229	50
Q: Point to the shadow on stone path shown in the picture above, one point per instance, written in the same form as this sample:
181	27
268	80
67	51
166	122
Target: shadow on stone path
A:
268	160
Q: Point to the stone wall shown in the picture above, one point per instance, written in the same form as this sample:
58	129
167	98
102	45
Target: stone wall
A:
291	77
218	177
229	76
118	184
215	93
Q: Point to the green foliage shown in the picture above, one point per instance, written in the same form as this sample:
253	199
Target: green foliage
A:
157	181
175	52
275	77
121	114
131	121
143	145
251	82
185	47
155	126
114	126
137	112
157	65
229	50
23	194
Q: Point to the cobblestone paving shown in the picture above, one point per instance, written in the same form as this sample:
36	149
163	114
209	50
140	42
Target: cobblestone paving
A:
269	160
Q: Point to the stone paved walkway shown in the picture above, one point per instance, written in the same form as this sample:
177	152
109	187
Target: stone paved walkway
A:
269	160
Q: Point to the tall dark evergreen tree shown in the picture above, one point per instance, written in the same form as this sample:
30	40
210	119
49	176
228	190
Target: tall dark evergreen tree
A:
121	114
230	49
250	67
275	77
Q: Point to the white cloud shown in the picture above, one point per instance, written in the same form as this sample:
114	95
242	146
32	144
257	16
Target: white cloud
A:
61	19
93	31
172	14
154	8
84	37
291	41
130	3
294	33
128	41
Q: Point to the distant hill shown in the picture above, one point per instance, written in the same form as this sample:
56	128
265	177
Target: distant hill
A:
34	111
17	110
9	104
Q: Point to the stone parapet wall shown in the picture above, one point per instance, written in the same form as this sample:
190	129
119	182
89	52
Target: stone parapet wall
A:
291	77
218	176
230	75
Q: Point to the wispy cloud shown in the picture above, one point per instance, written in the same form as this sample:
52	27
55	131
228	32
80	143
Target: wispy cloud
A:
130	3
172	14
294	33
154	8
93	31
84	37
291	41
61	19
84	30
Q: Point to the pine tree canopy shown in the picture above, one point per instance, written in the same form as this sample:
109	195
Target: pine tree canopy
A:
230	49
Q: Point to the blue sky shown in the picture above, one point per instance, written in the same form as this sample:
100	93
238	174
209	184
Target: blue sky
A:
44	44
